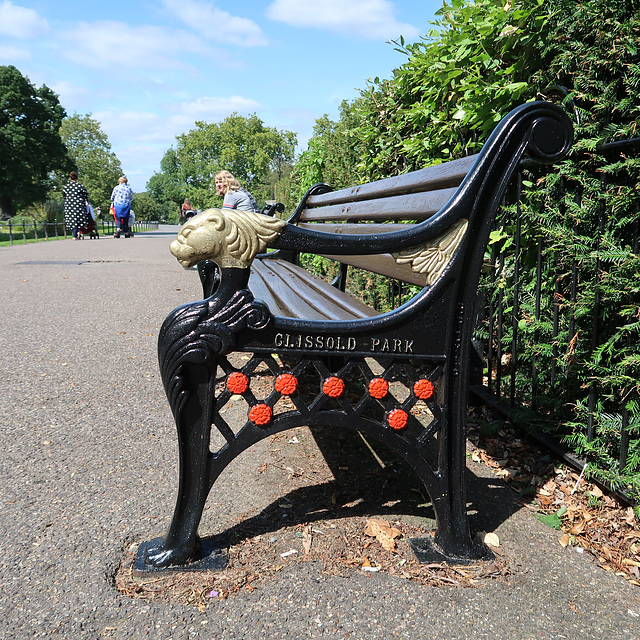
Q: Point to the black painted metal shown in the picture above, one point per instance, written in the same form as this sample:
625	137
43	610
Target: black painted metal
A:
426	339
563	299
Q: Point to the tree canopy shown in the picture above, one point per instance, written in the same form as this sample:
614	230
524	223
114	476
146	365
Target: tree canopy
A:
247	148
31	148
89	147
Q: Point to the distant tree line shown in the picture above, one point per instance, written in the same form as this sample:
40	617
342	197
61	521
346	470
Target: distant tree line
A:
40	144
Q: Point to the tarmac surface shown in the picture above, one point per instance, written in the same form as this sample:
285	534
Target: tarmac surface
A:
88	467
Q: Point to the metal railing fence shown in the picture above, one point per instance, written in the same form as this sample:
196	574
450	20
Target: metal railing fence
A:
557	337
30	230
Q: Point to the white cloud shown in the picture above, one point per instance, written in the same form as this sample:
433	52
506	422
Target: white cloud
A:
14	55
215	24
367	19
72	96
20	22
214	109
141	138
106	44
149	126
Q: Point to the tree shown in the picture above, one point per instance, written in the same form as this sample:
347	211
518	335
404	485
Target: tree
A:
456	84
31	149
167	188
146	207
89	147
244	146
332	156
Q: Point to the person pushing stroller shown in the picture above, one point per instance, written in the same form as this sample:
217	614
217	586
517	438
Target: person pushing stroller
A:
122	197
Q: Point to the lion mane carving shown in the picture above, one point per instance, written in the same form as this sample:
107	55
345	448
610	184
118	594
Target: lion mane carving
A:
230	238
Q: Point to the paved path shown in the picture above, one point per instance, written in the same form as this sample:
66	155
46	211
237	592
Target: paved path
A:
88	466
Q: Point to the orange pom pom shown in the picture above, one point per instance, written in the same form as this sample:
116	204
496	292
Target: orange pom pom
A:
260	414
286	384
378	388
397	419
423	389
333	387
237	382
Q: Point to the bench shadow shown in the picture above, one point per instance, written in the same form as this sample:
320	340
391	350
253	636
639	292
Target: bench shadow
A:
369	480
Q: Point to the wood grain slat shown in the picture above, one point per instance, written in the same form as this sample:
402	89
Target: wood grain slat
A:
349	229
414	206
293	292
440	176
384	264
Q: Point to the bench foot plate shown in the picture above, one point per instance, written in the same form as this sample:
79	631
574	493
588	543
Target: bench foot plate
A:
212	558
428	552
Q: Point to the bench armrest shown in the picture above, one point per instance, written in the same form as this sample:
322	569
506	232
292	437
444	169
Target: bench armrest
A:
539	129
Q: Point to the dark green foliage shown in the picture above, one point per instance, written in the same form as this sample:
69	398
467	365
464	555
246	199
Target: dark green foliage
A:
577	357
331	157
455	86
30	146
89	148
255	154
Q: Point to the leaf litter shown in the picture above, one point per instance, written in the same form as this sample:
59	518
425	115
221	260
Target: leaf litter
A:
586	516
338	548
349	540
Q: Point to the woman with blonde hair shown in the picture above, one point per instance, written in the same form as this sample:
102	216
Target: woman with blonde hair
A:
234	196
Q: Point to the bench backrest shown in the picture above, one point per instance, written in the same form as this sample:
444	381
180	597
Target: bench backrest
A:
398	202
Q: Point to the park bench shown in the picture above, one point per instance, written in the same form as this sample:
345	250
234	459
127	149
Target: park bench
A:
331	359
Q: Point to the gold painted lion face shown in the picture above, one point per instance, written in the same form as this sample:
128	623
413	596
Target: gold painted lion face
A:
200	238
230	238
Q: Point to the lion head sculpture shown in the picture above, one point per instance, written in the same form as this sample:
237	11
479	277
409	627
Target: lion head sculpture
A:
231	238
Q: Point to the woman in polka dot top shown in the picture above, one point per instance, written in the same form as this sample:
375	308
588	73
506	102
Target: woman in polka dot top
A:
75	205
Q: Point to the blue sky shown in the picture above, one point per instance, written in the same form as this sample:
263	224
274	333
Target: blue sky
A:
147	70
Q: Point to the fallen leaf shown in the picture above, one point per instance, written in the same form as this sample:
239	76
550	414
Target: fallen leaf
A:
565	540
492	540
631	563
384	532
578	528
307	539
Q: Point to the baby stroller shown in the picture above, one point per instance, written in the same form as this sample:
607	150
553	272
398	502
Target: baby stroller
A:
90	227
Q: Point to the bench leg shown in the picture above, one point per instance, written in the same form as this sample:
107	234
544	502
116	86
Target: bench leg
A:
452	541
181	544
189	346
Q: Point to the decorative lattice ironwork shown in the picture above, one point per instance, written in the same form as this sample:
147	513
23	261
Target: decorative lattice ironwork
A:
395	394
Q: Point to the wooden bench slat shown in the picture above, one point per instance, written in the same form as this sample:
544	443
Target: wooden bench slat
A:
384	264
441	176
347	228
414	206
291	291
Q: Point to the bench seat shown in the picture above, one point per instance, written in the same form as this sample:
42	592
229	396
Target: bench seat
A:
292	292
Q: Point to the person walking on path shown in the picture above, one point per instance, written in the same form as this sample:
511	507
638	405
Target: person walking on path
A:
235	197
75	196
122	197
186	211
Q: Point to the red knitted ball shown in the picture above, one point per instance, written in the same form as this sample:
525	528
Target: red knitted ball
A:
423	389
333	387
378	388
286	384
260	414
397	419
237	382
